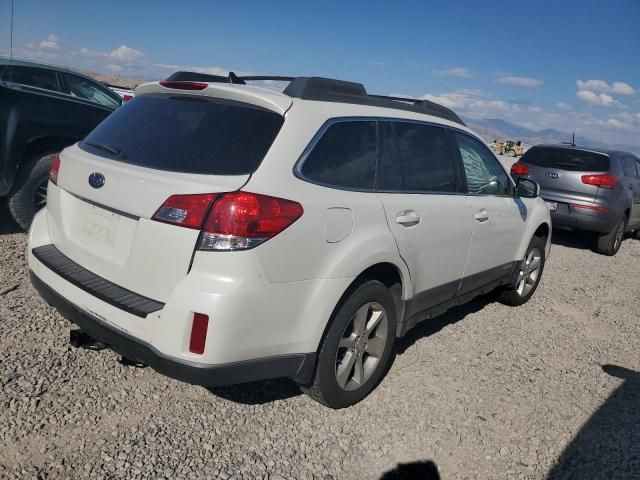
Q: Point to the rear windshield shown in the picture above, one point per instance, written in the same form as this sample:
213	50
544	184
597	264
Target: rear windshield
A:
567	159
186	134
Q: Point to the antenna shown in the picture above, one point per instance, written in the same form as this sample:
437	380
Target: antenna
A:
573	139
11	39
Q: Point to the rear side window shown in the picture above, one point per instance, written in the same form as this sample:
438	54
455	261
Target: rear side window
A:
416	158
187	134
567	159
32	77
83	88
630	164
345	156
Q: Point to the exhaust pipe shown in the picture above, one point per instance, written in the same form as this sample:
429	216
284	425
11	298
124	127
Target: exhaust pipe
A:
79	339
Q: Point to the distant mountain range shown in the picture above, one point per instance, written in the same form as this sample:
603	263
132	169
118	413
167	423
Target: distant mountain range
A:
496	128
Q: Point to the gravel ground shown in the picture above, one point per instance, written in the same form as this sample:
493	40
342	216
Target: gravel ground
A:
550	389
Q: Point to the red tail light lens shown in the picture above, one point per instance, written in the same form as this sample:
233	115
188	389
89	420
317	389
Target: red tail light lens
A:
126	97
185	85
199	329
185	210
242	220
520	169
595	208
604	181
53	171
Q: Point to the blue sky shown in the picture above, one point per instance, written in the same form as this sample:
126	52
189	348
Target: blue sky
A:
570	65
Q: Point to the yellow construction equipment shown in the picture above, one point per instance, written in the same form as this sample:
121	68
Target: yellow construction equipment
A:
510	148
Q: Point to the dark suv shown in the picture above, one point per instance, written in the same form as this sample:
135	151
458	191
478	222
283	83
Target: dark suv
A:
587	189
44	109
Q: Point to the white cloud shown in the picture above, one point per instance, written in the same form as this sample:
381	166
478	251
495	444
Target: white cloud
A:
125	54
460	72
600	86
535	109
474	103
520	81
50	43
563	106
622	88
376	63
600	99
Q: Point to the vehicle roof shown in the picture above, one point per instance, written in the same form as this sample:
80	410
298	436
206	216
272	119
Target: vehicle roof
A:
583	148
5	62
280	102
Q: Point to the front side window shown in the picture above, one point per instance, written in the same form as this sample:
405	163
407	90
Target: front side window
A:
32	77
416	158
484	173
83	88
345	156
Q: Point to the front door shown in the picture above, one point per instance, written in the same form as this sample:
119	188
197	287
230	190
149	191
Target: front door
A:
498	216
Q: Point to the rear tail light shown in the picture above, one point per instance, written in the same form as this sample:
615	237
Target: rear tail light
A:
53	171
185	210
242	220
520	169
185	85
230	221
199	329
126	97
604	181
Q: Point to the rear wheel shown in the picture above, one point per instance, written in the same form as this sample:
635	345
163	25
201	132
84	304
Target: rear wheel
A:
609	243
529	275
511	153
357	348
29	193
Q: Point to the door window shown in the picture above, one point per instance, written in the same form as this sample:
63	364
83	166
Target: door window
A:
345	156
484	173
83	88
32	77
630	164
416	158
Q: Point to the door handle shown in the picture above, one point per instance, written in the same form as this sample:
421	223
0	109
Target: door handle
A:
408	218
481	215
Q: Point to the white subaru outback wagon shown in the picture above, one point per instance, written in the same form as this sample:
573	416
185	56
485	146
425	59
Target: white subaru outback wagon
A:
224	233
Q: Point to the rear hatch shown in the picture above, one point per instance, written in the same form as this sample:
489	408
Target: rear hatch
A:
155	146
559	172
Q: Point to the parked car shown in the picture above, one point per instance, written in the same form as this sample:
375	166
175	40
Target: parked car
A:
587	189
247	234
44	109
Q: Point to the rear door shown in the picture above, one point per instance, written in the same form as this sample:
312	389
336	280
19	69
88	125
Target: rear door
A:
498	217
154	147
420	187
632	183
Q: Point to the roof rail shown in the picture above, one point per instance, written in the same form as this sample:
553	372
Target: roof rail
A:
329	90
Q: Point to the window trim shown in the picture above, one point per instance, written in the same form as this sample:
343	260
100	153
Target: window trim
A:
455	156
458	155
56	74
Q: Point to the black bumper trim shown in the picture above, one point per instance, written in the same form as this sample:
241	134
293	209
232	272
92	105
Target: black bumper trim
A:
99	287
299	367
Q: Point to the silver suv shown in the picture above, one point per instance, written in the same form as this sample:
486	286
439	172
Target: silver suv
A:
587	189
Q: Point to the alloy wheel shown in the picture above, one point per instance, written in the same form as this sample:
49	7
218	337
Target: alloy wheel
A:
40	196
529	272
361	346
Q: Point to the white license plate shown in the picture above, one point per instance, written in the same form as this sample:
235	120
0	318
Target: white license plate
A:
102	225
553	206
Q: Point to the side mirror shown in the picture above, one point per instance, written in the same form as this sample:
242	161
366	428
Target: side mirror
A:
527	188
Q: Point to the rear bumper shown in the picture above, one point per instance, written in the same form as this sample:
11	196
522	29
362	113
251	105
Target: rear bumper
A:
299	367
583	219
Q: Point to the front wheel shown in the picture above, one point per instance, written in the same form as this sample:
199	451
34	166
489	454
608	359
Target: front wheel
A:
511	153
529	275
357	348
609	243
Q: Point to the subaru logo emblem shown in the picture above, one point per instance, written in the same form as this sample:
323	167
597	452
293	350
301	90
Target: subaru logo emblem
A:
96	180
552	175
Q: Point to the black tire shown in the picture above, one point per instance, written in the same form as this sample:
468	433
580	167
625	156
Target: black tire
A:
324	387
513	296
28	188
609	243
511	153
636	234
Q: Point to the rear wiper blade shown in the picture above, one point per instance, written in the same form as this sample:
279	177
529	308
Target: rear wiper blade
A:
106	148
